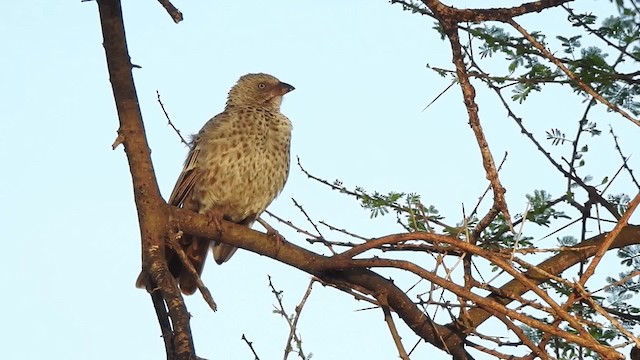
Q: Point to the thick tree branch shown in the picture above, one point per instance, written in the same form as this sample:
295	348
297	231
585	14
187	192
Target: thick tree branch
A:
442	11
469	94
152	210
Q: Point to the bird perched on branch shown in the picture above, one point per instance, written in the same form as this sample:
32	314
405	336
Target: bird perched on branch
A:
237	165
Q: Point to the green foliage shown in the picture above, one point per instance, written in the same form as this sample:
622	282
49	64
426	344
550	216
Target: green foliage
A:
567	241
556	136
498	236
531	70
620	201
622	289
541	212
591	128
379	204
570	44
412	214
630	256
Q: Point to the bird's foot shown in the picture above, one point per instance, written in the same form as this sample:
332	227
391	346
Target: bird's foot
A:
271	232
214	217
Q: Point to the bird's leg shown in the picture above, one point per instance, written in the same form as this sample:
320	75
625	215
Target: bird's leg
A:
272	232
215	217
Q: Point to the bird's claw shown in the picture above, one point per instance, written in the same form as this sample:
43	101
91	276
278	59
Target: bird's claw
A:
278	238
214	217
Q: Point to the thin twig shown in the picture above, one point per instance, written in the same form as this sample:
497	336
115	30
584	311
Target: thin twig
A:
250	344
609	238
291	225
356	295
307	217
280	310
625	159
344	190
392	328
169	122
518	236
576	141
173	242
594	32
344	231
294	326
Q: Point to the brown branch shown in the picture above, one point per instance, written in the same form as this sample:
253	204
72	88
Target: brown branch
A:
206	294
594	304
392	328
292	326
619	282
163	320
609	239
152	210
468	92
442	11
360	279
556	265
486	191
583	339
175	14
296	318
369	282
395	238
489	255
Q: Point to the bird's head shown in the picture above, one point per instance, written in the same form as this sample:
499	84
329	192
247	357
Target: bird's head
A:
261	90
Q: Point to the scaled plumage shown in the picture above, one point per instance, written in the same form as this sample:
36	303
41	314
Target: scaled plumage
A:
237	165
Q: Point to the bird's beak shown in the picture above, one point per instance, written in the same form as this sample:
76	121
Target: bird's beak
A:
284	88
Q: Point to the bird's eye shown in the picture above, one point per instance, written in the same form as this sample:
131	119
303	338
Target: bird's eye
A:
261	85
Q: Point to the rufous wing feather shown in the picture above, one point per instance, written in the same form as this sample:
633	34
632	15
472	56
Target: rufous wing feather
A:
186	180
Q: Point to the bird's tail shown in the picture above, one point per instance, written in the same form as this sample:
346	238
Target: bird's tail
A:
222	252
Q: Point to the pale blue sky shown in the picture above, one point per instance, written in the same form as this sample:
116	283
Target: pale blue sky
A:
359	68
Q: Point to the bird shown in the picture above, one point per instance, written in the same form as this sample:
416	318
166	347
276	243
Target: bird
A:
237	165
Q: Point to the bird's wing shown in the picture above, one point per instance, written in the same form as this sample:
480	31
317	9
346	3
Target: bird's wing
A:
187	178
190	173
